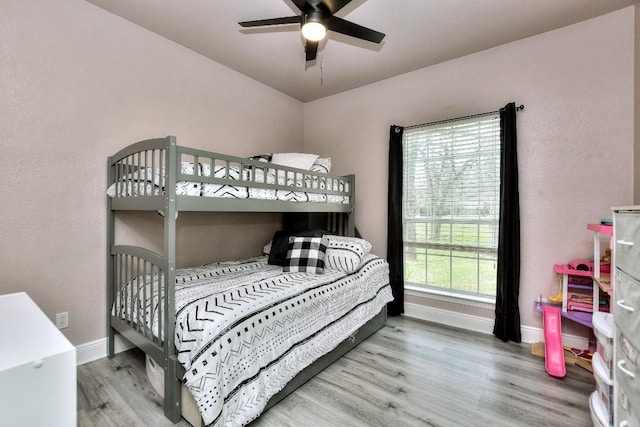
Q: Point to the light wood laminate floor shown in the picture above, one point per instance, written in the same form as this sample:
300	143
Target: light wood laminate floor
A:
410	373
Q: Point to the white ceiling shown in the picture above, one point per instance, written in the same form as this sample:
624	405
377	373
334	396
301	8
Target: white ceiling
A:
419	33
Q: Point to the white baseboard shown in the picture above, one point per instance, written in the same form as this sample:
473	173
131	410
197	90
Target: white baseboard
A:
482	325
97	349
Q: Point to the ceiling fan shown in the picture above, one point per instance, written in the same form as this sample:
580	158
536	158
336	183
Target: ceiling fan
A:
317	16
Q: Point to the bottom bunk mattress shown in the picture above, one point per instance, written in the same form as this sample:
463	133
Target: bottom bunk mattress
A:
245	329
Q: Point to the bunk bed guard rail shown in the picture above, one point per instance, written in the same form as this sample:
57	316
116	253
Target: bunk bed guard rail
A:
145	173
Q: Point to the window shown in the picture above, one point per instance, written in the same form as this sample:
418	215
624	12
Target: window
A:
451	196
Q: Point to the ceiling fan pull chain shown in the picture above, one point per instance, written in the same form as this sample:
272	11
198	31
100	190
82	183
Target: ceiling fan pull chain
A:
321	68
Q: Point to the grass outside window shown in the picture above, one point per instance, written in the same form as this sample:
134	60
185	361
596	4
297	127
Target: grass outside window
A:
451	260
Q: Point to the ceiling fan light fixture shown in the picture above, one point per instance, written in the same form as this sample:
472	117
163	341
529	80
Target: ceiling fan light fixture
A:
314	31
315	19
313	27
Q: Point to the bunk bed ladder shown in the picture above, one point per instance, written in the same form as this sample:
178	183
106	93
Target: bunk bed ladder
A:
172	396
110	261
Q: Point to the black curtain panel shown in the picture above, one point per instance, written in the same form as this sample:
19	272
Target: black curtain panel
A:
507	325
394	223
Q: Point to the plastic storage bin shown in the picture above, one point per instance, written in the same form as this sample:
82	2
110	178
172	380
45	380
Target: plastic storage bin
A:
604	386
189	408
603	327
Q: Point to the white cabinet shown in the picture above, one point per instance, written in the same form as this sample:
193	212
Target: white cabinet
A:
37	367
626	297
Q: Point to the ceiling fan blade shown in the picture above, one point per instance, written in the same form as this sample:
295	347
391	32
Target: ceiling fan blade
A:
310	50
335	5
339	25
273	21
303	5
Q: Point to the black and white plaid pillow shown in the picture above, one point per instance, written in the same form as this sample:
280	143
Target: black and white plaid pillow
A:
306	254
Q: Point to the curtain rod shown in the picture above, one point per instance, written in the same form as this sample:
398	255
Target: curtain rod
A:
521	107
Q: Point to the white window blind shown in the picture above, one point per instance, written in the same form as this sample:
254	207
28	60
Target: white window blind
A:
451	204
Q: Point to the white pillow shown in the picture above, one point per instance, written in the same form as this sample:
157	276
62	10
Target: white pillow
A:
345	253
294	160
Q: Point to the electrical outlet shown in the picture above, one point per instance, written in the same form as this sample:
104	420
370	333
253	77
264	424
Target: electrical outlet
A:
62	320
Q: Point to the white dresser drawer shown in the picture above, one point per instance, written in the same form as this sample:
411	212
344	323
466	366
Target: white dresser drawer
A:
627	249
626	310
627	369
626	306
626	414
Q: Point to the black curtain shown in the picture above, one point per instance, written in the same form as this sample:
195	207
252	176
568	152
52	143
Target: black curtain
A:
507	326
394	223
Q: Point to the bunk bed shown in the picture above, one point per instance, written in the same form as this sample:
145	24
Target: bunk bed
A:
159	175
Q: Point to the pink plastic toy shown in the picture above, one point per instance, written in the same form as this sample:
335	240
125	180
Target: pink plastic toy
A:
553	349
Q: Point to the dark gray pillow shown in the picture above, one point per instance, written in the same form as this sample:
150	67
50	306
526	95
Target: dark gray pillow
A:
265	158
280	244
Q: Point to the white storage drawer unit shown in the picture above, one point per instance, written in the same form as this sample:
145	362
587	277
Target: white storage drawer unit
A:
627	302
626	412
626	309
37	367
627	366
627	232
604	387
603	329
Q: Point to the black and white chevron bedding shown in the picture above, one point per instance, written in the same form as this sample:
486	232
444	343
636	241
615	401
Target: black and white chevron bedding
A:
245	329
147	181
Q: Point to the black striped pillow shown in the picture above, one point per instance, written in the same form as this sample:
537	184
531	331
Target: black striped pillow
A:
321	165
345	253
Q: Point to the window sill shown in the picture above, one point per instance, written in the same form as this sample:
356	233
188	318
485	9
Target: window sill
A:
468	300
